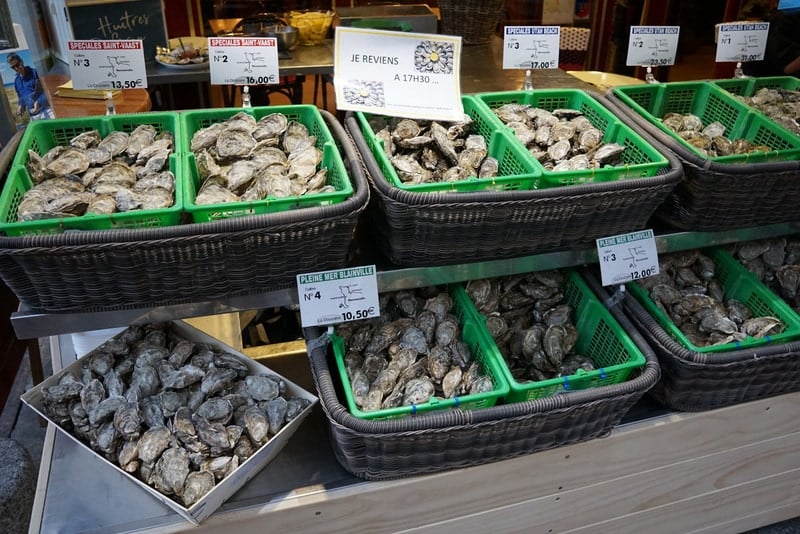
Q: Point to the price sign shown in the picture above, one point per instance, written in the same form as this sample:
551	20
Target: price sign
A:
627	257
652	46
531	47
742	42
243	60
401	74
107	64
331	297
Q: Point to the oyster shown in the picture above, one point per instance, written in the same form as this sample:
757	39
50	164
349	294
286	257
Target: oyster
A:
115	142
170	471
152	443
71	161
141	137
197	484
86	139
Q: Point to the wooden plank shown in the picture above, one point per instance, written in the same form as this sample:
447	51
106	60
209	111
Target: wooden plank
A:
717	512
755	520
634	496
733	445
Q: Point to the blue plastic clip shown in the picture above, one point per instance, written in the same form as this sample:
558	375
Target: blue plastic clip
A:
413	409
566	383
457	401
603	375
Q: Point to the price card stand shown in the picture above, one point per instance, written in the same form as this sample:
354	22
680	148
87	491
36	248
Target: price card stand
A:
741	42
332	297
626	257
103	65
652	46
535	47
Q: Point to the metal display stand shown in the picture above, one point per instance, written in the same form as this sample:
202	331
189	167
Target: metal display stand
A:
725	470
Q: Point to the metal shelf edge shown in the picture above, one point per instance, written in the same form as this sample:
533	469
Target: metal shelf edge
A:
31	323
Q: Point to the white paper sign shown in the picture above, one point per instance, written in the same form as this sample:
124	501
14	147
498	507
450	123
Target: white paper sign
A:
627	257
531	47
400	74
330	297
652	46
742	42
107	64
243	60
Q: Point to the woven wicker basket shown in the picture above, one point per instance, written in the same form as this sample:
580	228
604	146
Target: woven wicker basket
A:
694	381
475	21
717	196
453	439
426	229
123	269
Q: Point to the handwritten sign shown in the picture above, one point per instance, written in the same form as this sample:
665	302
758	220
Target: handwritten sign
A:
531	47
120	19
652	46
331	297
243	60
742	42
107	64
627	257
401	74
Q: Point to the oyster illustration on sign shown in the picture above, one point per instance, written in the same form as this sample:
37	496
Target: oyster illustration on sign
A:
365	93
435	57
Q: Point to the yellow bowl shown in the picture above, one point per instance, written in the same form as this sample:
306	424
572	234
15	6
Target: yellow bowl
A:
313	25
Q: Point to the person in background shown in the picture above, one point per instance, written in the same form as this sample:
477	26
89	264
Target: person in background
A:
30	93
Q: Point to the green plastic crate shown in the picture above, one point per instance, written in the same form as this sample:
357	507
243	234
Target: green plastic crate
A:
18	182
41	136
749	86
711	103
599	336
639	160
307	115
483	350
516	169
739	284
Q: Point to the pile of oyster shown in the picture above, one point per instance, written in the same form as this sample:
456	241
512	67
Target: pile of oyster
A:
177	414
92	175
688	292
410	354
561	140
780	105
244	159
708	139
531	324
424	152
776	262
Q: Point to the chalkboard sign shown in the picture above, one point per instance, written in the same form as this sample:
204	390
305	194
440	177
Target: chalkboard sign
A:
120	19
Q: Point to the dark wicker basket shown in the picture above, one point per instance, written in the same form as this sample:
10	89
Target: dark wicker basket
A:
425	229
694	381
714	196
474	20
453	439
118	269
